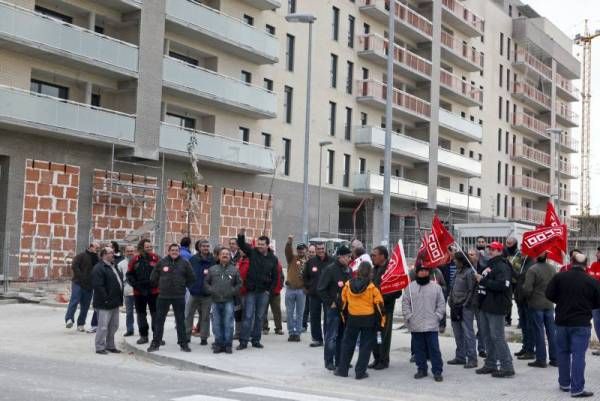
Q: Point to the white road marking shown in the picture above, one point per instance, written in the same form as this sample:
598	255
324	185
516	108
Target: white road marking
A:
201	397
286	395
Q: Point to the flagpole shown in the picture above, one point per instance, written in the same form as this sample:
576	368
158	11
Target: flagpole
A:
466	257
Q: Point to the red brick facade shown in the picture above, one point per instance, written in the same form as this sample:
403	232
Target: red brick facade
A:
185	217
243	209
49	222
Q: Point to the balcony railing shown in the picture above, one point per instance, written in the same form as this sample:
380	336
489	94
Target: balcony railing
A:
569	117
530	184
533	94
461	87
462	50
378	44
531	123
527	214
567	86
404	15
462	13
568	196
455	125
569	142
402	100
521	150
524	57
568	169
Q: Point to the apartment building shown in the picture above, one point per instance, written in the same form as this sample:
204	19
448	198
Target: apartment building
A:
106	105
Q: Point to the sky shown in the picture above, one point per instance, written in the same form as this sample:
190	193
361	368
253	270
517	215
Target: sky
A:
571	21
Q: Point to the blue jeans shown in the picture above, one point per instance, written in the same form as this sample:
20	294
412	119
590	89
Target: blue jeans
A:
571	345
222	323
492	327
80	297
129	312
526	328
426	345
596	319
479	335
255	307
464	336
294	306
543	326
334	332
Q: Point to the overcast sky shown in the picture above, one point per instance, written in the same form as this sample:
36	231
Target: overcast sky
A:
569	17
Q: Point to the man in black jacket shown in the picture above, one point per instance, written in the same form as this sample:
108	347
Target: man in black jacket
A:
330	287
107	282
172	275
381	352
575	294
81	286
310	275
494	297
260	282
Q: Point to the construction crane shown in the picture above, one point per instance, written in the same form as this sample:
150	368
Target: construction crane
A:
585	40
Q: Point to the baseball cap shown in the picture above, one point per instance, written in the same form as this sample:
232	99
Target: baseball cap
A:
496	246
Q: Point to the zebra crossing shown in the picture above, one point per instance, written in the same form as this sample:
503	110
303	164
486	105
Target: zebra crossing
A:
261	393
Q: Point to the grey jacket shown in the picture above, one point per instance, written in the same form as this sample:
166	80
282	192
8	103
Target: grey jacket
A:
534	288
423	307
223	282
464	288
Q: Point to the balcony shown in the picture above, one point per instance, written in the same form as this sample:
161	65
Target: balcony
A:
533	67
408	22
222	31
568	197
566	116
568	144
568	170
405	105
217	150
530	156
460	128
418	151
458	16
213	88
529	185
460	54
32	33
374	47
565	89
32	112
414	191
264	4
534	216
532	97
530	125
460	91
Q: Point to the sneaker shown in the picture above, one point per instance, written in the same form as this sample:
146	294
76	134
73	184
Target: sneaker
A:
360	376
228	350
482	354
69	323
257	345
218	350
565	389
471	365
538	364
297	338
142	340
485	371
339	374
315	344
279	332
204	341
521	352
420	374
456	362
91	330
291	338
128	334
583	394
81	328
241	346
153	348
372	365
503	374
185	348
102	352
528	356
380	366
438	378
113	351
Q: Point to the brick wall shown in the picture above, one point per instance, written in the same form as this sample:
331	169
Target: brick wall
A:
243	209
183	214
49	222
126	208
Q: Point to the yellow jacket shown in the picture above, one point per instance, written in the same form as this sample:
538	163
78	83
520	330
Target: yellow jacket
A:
363	302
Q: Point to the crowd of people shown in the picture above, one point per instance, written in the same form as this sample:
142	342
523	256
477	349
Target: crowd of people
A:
231	287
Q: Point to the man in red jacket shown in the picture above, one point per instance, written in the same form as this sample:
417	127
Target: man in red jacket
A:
594	271
243	264
275	304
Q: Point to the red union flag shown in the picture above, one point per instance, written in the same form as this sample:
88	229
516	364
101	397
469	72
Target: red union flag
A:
434	246
550	239
552	220
395	277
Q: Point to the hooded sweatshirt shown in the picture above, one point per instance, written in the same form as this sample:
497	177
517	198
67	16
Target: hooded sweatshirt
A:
364	303
423	307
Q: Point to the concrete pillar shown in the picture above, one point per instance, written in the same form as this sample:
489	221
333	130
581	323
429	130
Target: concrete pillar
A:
92	20
163	111
167	46
554	152
88	93
435	104
375	216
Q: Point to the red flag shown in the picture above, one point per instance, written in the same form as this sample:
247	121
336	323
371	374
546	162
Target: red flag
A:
550	239
552	219
435	245
395	277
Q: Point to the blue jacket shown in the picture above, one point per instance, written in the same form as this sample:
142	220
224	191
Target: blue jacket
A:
185	253
200	265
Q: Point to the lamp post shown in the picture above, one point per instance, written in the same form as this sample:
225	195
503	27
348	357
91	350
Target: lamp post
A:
321	145
305	19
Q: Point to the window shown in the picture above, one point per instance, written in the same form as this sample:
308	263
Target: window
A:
270	29
497	204
332	112
244	134
287	148
462	151
505	205
501	43
330	165
506	139
335	23
45	88
471	154
363	119
180	121
510	10
348	127
508	49
349	77
507	110
479	156
266	140
500	107
479	192
366	28
346	178
291	6
183	57
508	79
287	103
248	19
365	73
350	31
289	52
95	101
461	188
470	190
246	77
499	178
499	139
54	14
333	70
362	165
506	174
500	75
268	84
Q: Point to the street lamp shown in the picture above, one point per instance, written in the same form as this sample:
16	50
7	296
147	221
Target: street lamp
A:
305	19
321	145
554	134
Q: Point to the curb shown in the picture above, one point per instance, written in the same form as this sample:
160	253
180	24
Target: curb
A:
177	363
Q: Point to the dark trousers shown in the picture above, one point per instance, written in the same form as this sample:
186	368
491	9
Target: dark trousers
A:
275	305
381	352
426	345
526	328
367	341
543	327
334	333
316	306
306	313
162	308
571	345
141	301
